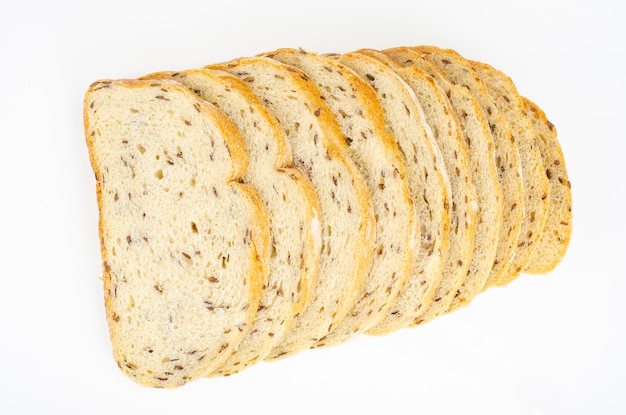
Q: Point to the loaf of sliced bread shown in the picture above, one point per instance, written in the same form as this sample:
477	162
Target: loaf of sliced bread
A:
556	234
427	181
184	244
460	72
536	183
347	220
256	208
292	207
482	158
374	150
449	137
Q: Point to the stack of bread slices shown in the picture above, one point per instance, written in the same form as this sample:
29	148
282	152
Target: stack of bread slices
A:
253	209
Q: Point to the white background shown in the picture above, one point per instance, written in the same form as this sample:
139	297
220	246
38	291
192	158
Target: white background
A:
550	344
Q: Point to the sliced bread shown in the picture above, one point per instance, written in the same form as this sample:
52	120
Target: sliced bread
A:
291	203
427	181
348	225
536	183
184	244
460	72
449	137
482	158
374	150
556	234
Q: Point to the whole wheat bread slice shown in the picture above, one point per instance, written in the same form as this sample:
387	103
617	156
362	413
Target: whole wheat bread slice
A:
459	72
374	150
556	234
483	161
427	181
536	183
291	203
348	225
184	244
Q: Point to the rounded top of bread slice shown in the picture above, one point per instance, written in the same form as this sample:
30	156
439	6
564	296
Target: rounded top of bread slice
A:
183	243
427	182
346	207
292	207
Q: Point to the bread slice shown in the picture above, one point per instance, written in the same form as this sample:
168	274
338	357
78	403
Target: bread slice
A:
374	151
184	244
555	238
427	181
459	72
291	203
536	183
346	206
449	137
485	177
